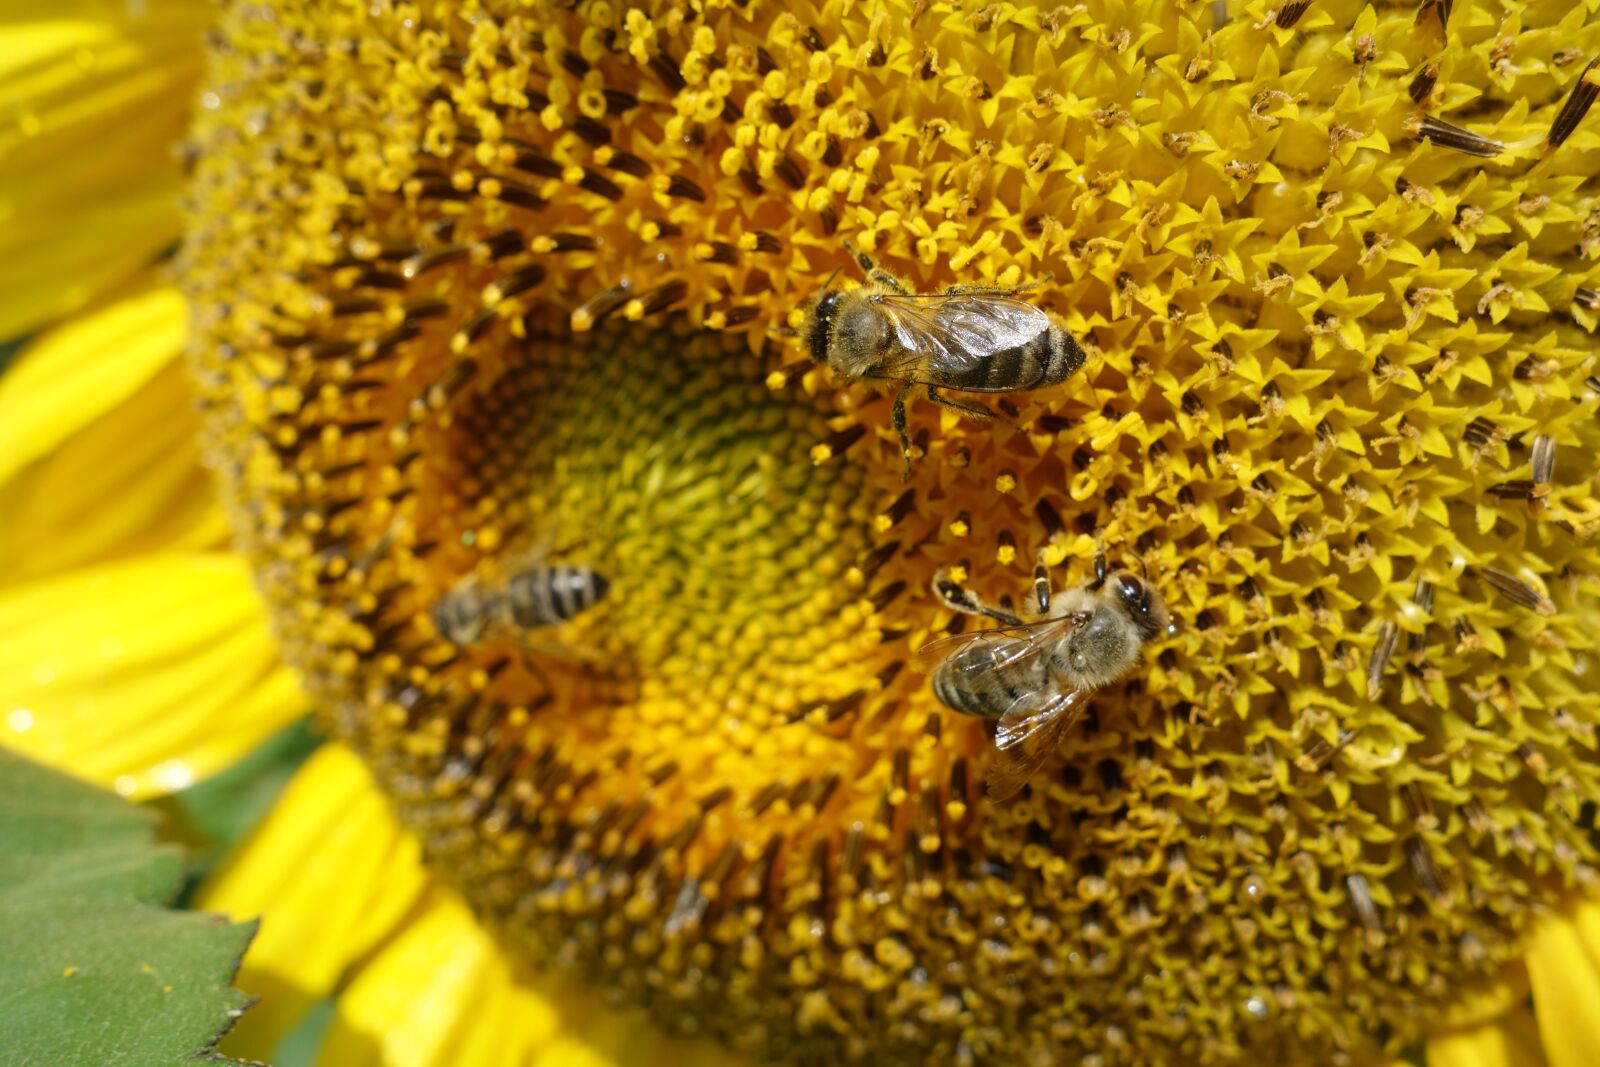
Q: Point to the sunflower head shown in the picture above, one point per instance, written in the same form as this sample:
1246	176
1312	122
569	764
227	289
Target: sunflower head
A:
478	285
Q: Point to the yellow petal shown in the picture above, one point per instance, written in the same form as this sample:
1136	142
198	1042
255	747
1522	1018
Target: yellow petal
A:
331	873
126	484
441	995
97	93
1479	1004
73	375
98	453
1564	970
144	675
1510	1041
417	1003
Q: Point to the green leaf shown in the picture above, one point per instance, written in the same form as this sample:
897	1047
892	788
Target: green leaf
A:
93	970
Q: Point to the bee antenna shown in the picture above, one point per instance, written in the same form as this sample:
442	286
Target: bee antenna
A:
832	274
1144	567
782	331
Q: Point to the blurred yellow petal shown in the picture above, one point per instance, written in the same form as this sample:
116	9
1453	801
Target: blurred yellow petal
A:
1564	970
1481	1004
331	873
346	908
126	484
595	1033
568	1051
441	995
418	1002
99	455
73	375
1510	1041
95	95
145	675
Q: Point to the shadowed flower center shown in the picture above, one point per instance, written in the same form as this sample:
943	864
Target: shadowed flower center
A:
478	291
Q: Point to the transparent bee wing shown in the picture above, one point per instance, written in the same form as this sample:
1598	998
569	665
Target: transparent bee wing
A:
1029	731
523	555
919	337
991	323
585	651
1009	646
957	332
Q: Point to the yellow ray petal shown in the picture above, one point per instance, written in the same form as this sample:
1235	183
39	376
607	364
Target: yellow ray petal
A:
1510	1041
73	375
330	872
98	453
594	1033
414	1004
441	995
96	95
144	675
1487	1003
127	484
1564	970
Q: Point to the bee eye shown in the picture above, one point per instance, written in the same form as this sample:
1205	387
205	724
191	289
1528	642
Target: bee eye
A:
1132	590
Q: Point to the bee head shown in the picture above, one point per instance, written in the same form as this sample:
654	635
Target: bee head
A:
819	322
1143	606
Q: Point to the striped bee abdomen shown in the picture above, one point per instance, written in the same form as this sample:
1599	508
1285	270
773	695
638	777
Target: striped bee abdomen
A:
545	595
972	683
1050	357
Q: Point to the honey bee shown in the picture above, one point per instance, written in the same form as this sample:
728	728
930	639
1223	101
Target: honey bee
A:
1036	677
972	338
535	595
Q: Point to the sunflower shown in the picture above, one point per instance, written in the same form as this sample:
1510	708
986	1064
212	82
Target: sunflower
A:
470	287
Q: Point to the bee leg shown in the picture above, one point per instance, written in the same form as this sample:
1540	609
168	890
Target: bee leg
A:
898	417
558	651
1102	570
1000	290
965	602
874	273
1041	587
884	278
532	667
976	411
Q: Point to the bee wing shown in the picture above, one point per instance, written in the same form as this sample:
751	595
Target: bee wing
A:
1008	645
1029	731
960	331
919	336
523	556
990	322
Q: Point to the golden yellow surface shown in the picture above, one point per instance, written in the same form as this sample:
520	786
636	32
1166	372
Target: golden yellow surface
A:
468	278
